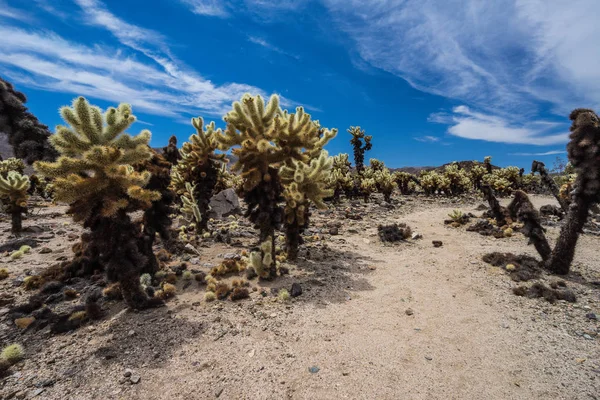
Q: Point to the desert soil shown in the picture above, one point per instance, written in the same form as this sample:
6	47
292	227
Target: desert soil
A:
375	321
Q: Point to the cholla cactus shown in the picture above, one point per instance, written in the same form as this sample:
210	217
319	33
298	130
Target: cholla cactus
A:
157	218
262	261
303	184
199	166
497	182
11	164
584	154
476	174
27	136
264	137
360	143
95	175
340	179
487	162
367	186
385	183
13	194
190	205
458	178
430	182
407	183
376	165
227	180
170	151
540	167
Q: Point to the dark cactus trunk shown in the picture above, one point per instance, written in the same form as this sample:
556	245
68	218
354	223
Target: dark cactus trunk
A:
564	250
522	208
16	216
538	166
494	205
264	210
292	240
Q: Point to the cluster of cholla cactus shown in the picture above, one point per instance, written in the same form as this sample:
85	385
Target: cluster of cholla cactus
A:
96	176
584	154
340	178
361	143
407	183
458	179
377	178
196	175
476	175
14	194
433	182
27	136
265	138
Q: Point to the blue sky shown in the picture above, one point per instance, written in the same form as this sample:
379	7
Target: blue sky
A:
432	81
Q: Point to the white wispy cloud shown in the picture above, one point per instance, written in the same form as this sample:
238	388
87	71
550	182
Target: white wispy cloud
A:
469	124
507	59
143	73
427	139
262	42
546	153
9	12
210	8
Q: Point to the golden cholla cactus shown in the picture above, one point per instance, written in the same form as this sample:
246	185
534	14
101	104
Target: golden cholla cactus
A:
303	184
13	194
264	138
385	183
367	186
407	183
11	164
95	172
476	173
198	168
458	177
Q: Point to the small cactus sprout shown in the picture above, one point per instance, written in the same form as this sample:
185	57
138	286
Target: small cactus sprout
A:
3	273
283	295
262	261
13	195
209	297
146	280
187	275
508	232
456	215
13	353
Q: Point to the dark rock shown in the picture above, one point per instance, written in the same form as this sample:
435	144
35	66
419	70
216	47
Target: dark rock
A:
296	290
334	231
437	243
591	316
45	250
16	244
224	204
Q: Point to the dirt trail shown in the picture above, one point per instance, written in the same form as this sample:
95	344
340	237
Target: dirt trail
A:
468	336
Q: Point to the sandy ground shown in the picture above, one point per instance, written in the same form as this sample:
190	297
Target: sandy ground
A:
405	321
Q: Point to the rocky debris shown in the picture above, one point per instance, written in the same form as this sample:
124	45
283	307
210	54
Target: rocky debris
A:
224	204
437	243
416	236
394	232
409	311
45	250
551	210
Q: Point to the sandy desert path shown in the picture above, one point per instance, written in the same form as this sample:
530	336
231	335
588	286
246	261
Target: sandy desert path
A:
406	321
